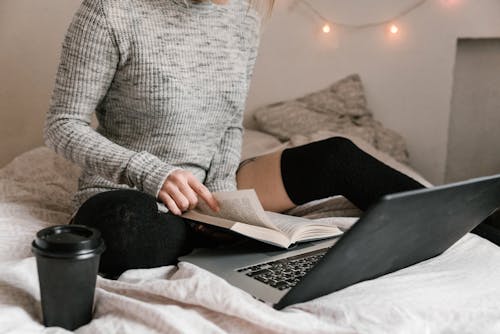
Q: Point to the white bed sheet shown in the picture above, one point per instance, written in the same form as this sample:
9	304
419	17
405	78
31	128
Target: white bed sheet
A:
457	292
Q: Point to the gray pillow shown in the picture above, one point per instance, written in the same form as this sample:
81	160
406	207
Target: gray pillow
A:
341	108
345	97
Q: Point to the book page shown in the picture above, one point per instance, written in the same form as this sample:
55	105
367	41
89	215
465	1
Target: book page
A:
239	206
263	234
343	223
286	223
298	228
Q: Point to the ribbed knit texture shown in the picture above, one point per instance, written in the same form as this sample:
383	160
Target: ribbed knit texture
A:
167	79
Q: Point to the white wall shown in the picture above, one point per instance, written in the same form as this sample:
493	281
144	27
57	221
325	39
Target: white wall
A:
474	130
31	33
408	79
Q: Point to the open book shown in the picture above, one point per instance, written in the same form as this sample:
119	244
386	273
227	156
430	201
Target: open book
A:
241	212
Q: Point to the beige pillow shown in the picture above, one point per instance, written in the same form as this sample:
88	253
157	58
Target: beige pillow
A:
329	109
285	119
345	97
340	108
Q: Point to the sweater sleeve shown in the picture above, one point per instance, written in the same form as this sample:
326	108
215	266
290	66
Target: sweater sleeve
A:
89	58
222	173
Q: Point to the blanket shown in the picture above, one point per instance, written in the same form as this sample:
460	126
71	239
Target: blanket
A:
456	292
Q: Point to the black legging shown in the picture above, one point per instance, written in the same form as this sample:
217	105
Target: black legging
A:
137	235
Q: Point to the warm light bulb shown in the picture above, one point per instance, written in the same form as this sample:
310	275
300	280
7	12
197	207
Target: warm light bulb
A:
394	29
450	3
326	28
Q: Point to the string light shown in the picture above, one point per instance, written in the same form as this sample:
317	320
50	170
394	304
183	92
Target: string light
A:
392	27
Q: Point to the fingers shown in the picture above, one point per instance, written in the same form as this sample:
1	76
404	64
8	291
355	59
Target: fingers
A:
181	190
204	193
190	195
170	203
180	199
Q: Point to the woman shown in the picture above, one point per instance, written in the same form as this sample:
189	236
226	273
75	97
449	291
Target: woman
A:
167	80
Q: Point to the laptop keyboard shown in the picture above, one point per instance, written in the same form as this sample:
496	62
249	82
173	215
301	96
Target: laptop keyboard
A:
285	273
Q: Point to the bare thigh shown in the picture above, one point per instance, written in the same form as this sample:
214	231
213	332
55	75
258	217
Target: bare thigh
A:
264	175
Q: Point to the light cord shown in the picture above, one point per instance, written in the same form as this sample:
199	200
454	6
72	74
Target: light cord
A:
323	18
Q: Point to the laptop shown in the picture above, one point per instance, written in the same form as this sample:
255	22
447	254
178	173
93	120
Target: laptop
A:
400	230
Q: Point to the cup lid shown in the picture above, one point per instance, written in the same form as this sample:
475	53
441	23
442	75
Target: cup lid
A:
68	241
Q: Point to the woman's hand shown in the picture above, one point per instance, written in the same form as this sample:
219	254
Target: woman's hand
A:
181	190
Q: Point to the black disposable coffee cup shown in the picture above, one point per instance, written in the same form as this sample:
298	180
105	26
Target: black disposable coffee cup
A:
67	258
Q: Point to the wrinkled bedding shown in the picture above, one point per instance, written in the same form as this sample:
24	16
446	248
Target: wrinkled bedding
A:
457	292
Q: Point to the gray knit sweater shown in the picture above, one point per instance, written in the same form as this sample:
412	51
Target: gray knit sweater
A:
167	79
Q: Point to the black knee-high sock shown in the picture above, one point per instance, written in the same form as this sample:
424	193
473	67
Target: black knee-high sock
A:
336	166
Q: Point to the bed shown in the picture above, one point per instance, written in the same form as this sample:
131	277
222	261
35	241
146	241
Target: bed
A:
457	292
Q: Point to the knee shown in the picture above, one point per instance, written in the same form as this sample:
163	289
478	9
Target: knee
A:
331	149
135	233
124	206
337	144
